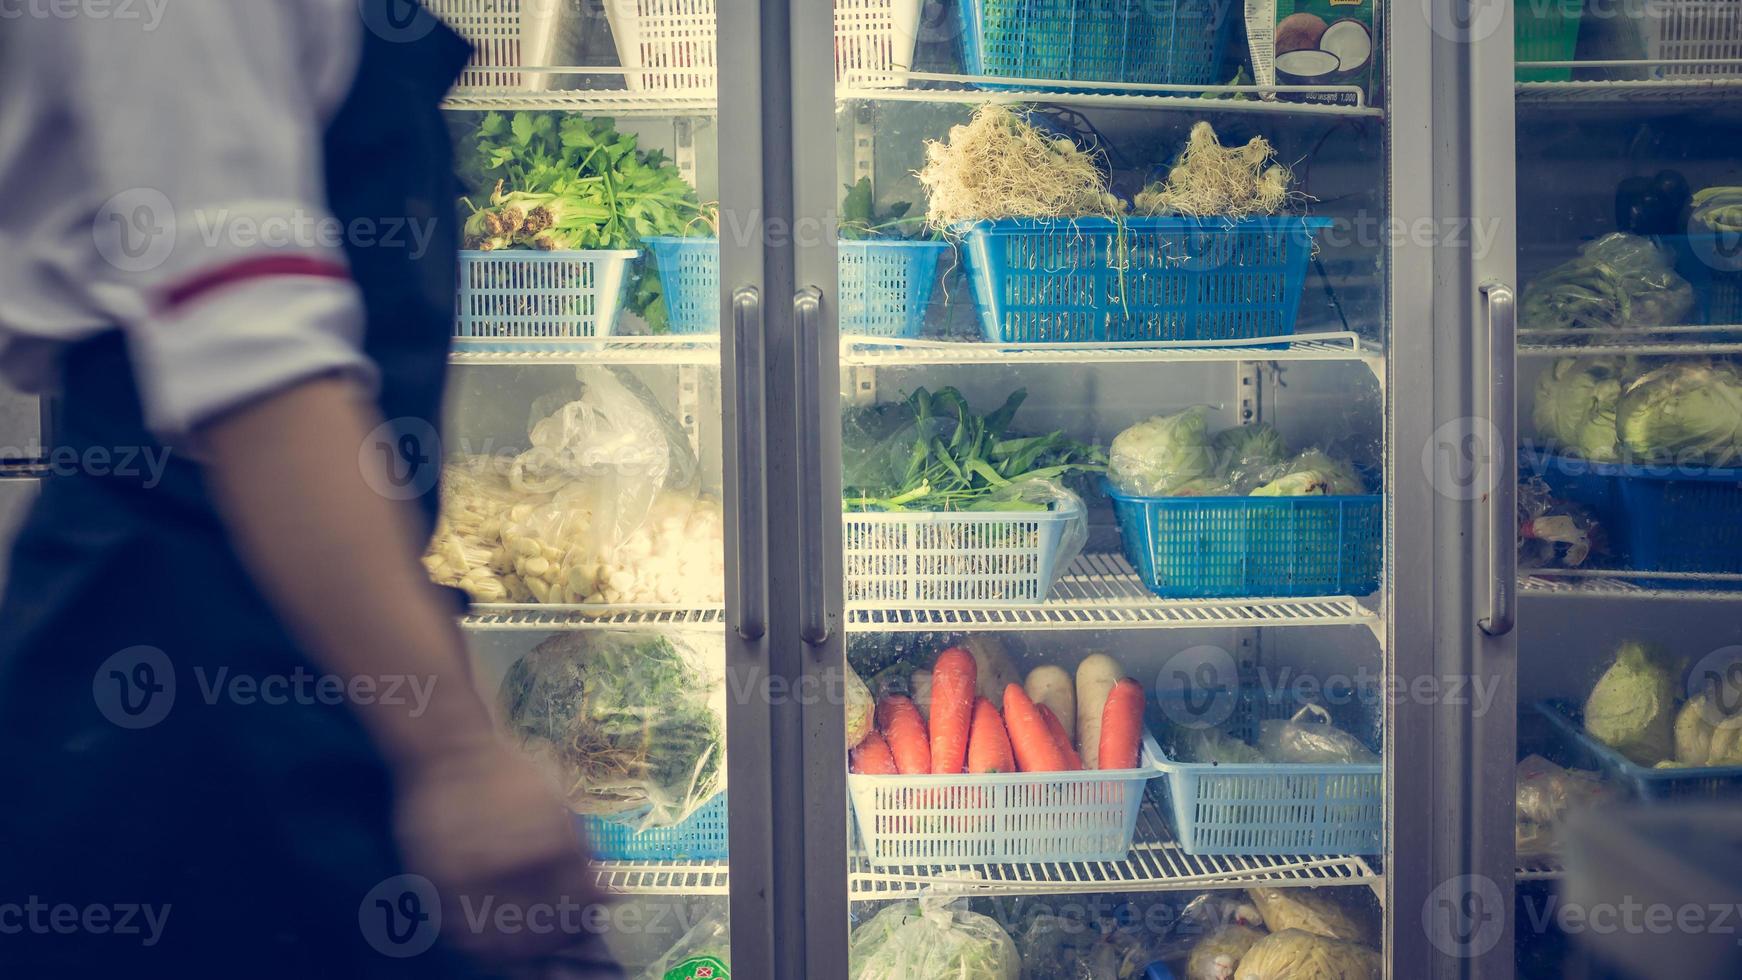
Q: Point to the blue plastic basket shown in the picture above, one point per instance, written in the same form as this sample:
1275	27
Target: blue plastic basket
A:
1703	783
1712	262
1093	280
1277	808
1660	518
1239	547
885	285
517	300
700	837
1127	41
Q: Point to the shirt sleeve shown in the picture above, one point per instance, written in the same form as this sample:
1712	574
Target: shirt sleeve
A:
214	248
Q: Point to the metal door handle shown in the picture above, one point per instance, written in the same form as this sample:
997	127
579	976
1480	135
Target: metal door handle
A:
749	616
1501	318
807	308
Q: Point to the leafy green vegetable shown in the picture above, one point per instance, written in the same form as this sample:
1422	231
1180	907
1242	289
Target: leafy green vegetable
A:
930	452
1312	473
1632	707
1618	282
1576	400
1686	413
1161	456
861	220
911	940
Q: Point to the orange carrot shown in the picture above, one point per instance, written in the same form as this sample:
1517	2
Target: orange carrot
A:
902	727
1122	726
1034	747
988	742
952	709
873	757
1057	729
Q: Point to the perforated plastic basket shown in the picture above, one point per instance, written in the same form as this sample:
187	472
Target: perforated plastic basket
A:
1000	818
1702	783
1144	279
1231	547
516	300
1690	30
701	837
512	34
669	45
1661	518
885	285
992	558
1546	30
1712	262
1275	808
1128	41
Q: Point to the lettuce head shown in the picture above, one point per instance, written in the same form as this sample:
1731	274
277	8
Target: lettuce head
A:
1575	406
1685	413
1632	707
1158	456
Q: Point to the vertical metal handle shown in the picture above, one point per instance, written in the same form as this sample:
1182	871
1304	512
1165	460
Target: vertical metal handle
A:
1501	317
749	615
807	308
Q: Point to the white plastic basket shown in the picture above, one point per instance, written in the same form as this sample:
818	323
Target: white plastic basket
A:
1006	817
669	45
516	300
996	557
511	34
1691	30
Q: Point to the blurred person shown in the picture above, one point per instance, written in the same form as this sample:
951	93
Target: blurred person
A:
228	245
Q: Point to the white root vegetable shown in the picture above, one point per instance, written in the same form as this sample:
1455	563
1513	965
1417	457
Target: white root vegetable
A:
1096	676
921	684
1051	686
994	670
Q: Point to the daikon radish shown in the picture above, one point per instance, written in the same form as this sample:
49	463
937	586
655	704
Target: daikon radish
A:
1096	676
1051	686
993	668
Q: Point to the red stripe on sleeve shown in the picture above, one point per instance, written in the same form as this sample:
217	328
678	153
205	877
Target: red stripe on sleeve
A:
264	267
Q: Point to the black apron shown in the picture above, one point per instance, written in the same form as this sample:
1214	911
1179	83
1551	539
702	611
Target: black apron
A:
139	767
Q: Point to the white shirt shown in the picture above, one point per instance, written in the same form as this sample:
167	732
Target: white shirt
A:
163	168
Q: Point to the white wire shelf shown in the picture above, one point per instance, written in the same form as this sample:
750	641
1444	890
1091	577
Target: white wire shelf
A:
1609	584
529	616
1704	339
613	100
885	352
662	877
670	349
975	89
1545	867
1155	863
1102	591
1694	90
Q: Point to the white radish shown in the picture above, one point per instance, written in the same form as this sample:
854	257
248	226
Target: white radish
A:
921	685
1051	686
1096	676
993	670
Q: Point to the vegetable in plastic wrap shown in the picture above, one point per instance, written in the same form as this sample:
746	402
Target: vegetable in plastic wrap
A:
1106	943
1162	456
1575	406
1316	911
1619	281
1689	413
1244	452
1312	473
478	502
1310	738
1554	533
1208	745
1293	954
632	724
1545	794
1632	707
708	944
933	940
1216	956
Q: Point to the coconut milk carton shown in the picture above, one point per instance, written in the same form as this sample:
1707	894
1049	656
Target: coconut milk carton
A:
1313	42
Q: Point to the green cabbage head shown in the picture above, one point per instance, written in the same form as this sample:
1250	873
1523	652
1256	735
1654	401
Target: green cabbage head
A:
1158	456
1685	413
1632	708
1575	406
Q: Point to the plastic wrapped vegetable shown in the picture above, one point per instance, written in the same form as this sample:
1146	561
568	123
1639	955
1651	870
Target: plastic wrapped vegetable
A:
478	502
706	946
1619	281
1293	954
1632	707
1212	746
1553	533
1312	910
1546	793
1309	737
1576	400
1216	955
1160	456
1312	473
933	940
1244	452
1687	413
632	725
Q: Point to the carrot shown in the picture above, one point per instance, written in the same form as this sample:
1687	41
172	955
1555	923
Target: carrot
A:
1057	729
988	742
898	719
1034	747
873	757
1122	725
952	709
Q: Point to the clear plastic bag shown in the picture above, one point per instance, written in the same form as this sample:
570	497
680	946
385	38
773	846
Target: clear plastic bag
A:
478	502
1309	737
708	943
1546	793
934	940
1050	495
1312	473
1165	456
1216	955
630	725
1322	912
1619	281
